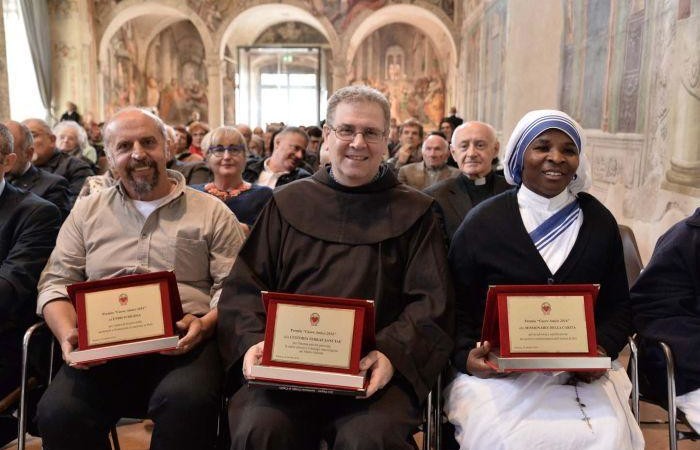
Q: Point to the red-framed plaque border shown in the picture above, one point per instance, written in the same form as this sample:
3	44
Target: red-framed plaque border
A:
363	328
169	297
495	326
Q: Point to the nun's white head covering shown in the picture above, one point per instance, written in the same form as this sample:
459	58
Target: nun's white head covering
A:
532	125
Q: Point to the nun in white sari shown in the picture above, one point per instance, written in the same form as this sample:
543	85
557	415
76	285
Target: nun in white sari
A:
547	231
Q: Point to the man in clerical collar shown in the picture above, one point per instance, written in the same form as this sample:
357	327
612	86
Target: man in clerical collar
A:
148	222
51	159
283	166
351	230
434	166
474	146
25	175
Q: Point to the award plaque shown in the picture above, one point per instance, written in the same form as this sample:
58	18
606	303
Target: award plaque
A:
542	327
126	316
314	344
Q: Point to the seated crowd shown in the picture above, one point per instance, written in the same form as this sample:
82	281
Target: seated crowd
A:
360	207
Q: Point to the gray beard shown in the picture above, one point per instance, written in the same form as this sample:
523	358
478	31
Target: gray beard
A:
143	187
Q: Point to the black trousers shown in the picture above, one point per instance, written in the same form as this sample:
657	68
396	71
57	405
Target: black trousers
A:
269	419
181	394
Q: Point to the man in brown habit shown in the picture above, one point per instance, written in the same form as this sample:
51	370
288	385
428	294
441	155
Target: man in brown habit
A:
359	234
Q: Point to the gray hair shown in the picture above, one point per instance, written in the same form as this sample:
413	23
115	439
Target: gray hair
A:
79	131
107	132
27	135
442	140
220	133
7	142
293	130
473	122
358	94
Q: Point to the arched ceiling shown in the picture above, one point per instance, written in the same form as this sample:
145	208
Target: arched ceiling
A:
426	21
245	28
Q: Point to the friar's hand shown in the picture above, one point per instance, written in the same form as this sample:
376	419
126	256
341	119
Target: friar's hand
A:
252	357
381	371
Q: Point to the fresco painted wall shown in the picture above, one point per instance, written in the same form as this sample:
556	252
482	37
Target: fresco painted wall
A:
400	61
171	77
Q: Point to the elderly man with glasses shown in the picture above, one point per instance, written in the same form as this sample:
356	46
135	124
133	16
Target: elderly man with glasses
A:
352	230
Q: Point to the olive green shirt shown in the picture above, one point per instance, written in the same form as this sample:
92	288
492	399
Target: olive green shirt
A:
191	233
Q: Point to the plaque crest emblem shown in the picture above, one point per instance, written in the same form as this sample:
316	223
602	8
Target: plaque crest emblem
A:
123	299
546	308
314	319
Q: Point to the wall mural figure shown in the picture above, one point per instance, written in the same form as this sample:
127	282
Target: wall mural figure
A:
406	70
173	81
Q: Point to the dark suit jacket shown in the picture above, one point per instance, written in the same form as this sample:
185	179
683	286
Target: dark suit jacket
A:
72	169
454	200
28	229
194	172
254	166
46	185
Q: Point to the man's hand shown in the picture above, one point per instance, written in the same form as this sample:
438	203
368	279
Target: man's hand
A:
404	153
68	345
381	370
192	328
476	362
251	358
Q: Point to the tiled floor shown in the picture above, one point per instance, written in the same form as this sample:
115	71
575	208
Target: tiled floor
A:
136	436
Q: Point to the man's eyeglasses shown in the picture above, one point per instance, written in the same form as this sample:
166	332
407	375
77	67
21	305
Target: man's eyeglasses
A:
220	150
348	132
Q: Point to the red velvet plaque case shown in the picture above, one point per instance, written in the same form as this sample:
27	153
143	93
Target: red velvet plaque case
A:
315	343
126	316
542	327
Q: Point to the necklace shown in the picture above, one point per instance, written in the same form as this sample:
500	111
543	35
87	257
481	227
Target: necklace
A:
573	382
226	194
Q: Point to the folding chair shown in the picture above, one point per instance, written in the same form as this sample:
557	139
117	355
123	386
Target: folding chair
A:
25	384
675	417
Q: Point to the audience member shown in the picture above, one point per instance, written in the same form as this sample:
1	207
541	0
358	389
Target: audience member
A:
257	131
474	145
270	130
393	139
226	157
49	158
446	128
25	175
197	130
71	138
182	145
149	222
28	228
375	239
195	172
71	113
453	119
246	132
666	304
282	166
433	168
311	156
410	139
257	147
509	240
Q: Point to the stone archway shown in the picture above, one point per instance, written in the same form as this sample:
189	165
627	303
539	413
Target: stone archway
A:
161	14
430	20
